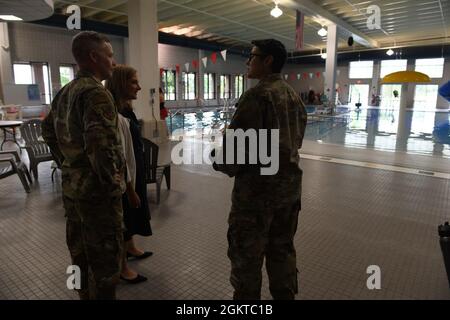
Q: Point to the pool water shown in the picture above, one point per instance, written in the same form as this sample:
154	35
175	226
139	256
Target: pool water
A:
197	120
418	132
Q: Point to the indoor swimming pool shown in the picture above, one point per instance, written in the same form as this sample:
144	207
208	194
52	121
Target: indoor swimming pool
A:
425	132
417	132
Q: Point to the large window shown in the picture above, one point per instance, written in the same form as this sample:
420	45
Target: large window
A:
238	86
390	66
225	87
425	96
209	86
23	73
434	68
359	93
189	85
66	74
34	73
361	70
169	85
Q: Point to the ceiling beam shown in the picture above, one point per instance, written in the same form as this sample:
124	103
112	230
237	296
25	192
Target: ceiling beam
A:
103	5
89	6
310	8
227	20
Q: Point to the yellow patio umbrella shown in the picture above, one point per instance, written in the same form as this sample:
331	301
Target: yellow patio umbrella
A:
406	77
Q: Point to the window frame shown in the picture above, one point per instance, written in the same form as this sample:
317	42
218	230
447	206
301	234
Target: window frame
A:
47	93
168	94
395	70
225	94
186	88
206	90
66	65
242	88
351	87
364	77
417	103
29	64
430	65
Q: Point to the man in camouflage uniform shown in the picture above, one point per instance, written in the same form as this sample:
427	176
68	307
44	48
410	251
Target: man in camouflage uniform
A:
82	132
264	212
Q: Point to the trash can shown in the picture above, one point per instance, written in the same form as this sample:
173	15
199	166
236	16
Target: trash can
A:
444	234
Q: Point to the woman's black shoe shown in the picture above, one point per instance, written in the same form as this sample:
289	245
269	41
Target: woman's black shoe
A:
146	254
136	280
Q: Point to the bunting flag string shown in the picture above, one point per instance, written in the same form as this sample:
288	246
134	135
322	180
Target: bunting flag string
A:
291	76
224	55
214	57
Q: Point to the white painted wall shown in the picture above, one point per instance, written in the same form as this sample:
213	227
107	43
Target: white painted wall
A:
5	59
30	42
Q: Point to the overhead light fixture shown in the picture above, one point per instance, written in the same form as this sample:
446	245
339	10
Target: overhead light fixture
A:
10	18
390	52
276	12
322	32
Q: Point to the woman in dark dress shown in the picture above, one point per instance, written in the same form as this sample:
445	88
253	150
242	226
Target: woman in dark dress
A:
124	87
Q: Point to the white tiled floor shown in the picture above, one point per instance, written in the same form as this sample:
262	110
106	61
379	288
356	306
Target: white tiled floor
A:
352	217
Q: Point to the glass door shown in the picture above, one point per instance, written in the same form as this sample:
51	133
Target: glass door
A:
390	96
425	96
359	93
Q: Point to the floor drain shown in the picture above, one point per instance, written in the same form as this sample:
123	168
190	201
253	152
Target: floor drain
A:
426	172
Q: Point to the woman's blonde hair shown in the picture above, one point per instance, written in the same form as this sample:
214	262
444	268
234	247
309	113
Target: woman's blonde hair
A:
118	84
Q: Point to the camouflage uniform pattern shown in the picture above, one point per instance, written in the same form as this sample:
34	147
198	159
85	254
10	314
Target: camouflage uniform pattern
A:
264	212
82	131
94	235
